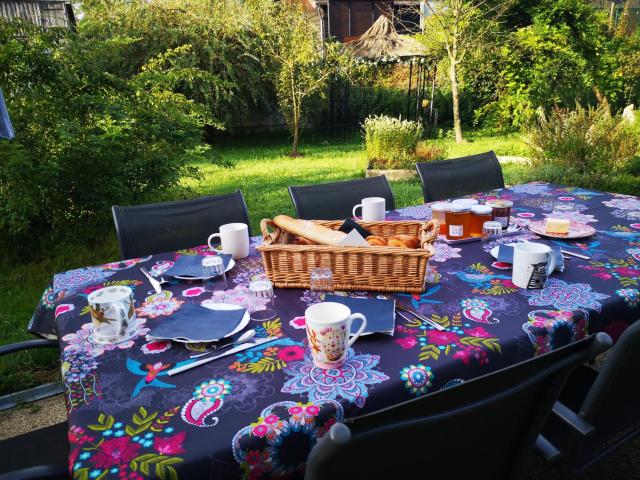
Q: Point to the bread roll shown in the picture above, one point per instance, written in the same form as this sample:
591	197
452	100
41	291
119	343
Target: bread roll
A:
403	241
309	230
376	241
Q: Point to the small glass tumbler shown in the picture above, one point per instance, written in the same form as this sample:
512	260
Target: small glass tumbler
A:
491	231
321	280
261	301
212	267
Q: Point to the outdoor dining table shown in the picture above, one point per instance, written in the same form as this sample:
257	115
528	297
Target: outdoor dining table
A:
257	413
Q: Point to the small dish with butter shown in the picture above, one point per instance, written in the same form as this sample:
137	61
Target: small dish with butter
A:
561	228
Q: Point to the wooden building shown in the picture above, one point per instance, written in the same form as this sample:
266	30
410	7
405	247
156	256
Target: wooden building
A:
46	13
346	20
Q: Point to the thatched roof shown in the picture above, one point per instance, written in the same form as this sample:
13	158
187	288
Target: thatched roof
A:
382	42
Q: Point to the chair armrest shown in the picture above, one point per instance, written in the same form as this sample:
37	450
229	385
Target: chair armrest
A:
572	419
547	450
28	345
41	472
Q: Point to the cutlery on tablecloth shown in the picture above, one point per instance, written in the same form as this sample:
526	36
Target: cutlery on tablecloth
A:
244	338
239	348
156	284
401	308
572	254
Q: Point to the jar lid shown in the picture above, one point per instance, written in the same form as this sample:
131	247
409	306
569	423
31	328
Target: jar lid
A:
465	201
481	209
459	208
440	207
499	203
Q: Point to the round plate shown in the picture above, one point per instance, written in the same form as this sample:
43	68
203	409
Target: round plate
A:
576	230
232	264
225	306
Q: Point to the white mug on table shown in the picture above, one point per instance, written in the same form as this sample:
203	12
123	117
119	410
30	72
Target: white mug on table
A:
532	264
373	209
234	239
112	314
329	333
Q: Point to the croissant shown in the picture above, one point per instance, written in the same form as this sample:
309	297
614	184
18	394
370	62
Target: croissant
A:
302	241
403	241
376	241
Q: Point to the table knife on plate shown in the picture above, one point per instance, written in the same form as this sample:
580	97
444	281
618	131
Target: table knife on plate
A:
154	283
239	348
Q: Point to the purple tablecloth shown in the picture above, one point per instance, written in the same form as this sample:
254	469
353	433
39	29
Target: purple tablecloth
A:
258	412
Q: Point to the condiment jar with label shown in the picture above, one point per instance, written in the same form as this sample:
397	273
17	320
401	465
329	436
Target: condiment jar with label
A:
438	211
479	215
501	211
458	218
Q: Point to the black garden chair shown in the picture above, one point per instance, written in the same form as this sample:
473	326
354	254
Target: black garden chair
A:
42	453
164	227
597	411
334	201
457	177
484	428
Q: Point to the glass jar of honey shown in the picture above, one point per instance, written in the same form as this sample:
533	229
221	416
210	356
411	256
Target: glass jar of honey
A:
501	211
458	218
479	215
469	202
438	211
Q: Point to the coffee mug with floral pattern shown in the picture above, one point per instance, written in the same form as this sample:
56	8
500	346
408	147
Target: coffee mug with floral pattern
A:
329	332
113	314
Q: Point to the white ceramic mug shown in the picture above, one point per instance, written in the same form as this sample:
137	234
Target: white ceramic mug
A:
532	264
373	209
112	314
328	332
234	238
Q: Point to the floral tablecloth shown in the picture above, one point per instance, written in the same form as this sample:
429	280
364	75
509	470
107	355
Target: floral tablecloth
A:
257	413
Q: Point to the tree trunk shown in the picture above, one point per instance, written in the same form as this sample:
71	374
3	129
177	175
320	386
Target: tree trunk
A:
453	78
296	137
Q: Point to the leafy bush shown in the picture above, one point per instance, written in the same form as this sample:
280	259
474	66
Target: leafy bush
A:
391	142
85	138
585	140
429	152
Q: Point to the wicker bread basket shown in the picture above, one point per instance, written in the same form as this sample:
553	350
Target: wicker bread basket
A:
378	269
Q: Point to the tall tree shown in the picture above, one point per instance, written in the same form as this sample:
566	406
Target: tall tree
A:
296	61
457	26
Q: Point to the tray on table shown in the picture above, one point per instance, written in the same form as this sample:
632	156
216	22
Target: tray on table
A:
378	269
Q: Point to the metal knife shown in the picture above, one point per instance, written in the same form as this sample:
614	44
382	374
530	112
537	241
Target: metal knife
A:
239	348
435	325
154	283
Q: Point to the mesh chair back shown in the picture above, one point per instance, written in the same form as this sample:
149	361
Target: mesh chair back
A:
611	405
334	201
460	176
164	227
491	423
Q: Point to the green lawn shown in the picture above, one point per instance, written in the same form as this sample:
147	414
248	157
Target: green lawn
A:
263	170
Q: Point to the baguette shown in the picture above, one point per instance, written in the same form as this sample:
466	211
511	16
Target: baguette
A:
309	230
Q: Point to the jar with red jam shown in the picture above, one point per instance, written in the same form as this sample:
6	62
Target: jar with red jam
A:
501	211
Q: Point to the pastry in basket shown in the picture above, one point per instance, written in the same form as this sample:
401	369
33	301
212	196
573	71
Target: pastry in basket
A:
309	230
403	241
376	241
302	241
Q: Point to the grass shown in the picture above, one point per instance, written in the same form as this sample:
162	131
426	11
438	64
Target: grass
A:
263	171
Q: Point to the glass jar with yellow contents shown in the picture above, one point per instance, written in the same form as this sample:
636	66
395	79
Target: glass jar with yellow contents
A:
438	211
479	215
458	218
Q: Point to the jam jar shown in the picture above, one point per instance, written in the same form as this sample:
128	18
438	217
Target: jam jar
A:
501	211
458	218
479	215
469	202
438	211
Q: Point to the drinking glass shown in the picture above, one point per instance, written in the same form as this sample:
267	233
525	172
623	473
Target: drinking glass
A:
261	300
321	280
212	266
491	231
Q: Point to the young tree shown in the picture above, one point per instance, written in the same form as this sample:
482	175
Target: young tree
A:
457	26
295	59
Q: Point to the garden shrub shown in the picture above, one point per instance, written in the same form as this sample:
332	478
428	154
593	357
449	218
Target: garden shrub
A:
585	140
391	142
429	152
87	139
